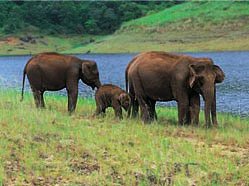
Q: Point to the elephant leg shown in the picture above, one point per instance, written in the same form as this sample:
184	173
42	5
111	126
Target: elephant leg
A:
187	120
152	106
100	111
145	110
135	109
117	109
131	108
38	97
42	100
72	92
194	108
134	102
72	100
98	106
182	111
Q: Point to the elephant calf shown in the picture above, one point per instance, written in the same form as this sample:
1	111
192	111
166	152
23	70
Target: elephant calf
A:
111	96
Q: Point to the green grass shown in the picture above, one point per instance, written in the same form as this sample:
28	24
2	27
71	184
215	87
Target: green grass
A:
49	147
207	11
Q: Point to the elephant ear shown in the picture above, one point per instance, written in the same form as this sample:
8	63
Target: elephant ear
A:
88	67
195	71
85	68
220	75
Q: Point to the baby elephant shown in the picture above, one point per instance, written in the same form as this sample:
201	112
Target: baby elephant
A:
112	96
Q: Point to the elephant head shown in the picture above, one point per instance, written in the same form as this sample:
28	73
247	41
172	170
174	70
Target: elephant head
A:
202	79
90	74
125	101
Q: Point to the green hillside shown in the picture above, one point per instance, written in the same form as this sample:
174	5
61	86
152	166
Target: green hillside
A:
200	12
191	26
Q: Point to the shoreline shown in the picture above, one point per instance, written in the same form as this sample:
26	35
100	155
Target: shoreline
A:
125	52
122	43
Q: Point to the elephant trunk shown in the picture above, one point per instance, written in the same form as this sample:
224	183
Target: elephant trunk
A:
213	109
209	105
98	84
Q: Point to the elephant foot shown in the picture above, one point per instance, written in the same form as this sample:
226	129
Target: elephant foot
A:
215	124
148	120
208	126
134	115
180	123
70	113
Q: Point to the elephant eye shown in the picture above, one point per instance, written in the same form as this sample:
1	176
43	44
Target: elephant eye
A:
95	71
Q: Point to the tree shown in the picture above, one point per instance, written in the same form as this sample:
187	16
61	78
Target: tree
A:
90	17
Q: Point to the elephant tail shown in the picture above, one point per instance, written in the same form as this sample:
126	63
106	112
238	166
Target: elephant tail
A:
126	79
23	77
126	73
23	82
24	74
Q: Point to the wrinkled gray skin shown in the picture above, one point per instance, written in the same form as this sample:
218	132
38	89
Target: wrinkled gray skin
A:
112	96
161	76
53	71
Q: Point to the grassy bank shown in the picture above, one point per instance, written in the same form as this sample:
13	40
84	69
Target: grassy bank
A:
189	41
48	147
33	43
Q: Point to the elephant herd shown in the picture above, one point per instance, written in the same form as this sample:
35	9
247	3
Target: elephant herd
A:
149	77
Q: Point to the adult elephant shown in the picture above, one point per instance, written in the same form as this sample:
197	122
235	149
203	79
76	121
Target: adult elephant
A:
161	76
53	71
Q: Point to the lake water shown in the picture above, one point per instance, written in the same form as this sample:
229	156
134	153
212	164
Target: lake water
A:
232	94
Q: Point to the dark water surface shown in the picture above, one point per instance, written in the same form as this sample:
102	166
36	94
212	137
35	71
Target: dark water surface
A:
232	94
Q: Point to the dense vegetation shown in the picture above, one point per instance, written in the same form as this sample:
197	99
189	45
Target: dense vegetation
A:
49	147
73	17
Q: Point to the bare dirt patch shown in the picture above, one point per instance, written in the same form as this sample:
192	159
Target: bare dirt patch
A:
10	40
229	150
12	167
85	164
169	173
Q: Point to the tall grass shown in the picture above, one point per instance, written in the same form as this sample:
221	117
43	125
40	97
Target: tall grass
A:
48	147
